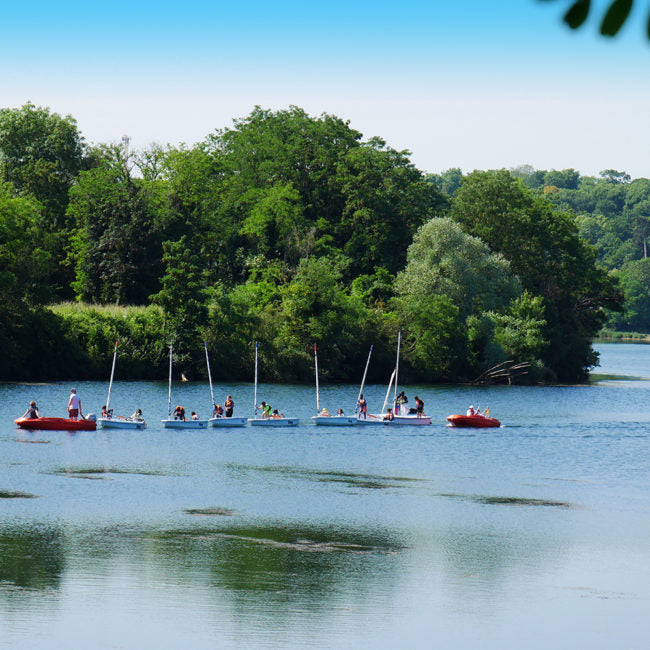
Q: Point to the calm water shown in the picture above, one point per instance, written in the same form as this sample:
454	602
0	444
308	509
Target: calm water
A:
535	535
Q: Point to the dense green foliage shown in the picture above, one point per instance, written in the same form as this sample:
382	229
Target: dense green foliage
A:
292	230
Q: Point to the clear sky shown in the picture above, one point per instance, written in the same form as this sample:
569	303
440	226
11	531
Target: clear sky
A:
475	84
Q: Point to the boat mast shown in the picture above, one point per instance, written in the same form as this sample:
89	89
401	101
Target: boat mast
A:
399	341
255	392
207	361
110	383
169	398
317	391
390	385
363	380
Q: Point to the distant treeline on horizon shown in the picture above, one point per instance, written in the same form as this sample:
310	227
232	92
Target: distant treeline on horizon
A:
292	230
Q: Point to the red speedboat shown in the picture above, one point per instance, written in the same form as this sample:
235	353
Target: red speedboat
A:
476	421
56	424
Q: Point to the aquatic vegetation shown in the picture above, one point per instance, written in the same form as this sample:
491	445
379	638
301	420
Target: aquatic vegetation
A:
6	494
205	512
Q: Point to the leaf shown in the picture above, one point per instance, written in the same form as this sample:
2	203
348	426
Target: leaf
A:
577	13
615	17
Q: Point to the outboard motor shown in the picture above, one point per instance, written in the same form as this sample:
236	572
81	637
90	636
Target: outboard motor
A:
91	416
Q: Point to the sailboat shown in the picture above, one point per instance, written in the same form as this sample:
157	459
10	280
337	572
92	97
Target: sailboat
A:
369	418
268	421
220	421
170	422
328	420
402	418
118	422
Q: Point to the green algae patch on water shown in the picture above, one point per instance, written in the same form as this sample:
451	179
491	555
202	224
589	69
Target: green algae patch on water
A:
350	479
521	501
210	512
8	494
99	473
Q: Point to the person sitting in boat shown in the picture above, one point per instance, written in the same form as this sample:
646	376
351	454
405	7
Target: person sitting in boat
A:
389	415
32	412
107	414
471	411
179	413
74	405
362	407
230	406
137	416
325	412
195	415
275	414
217	411
340	413
419	407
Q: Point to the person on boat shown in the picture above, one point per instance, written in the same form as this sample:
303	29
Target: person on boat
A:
107	414
195	415
217	411
179	413
399	402
471	411
389	415
325	412
74	405
137	416
340	413
275	414
230	406
266	410
32	412
362	407
419	407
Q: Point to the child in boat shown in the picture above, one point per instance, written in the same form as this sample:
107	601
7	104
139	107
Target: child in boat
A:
325	412
340	412
107	414
137	416
230	406
419	407
218	411
195	415
179	413
362	407
275	414
389	415
32	412
266	410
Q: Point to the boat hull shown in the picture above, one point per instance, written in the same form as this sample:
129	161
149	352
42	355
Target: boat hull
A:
56	424
473	421
274	422
185	424
398	420
228	422
118	423
334	420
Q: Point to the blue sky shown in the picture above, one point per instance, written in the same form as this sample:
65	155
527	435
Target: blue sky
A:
467	84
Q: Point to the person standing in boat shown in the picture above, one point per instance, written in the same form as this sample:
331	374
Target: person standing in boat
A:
32	412
399	402
362	407
419	407
230	406
74	405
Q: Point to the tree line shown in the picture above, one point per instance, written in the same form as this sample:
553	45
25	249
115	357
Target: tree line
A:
290	230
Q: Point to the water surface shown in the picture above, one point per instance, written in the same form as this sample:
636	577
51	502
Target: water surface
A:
533	535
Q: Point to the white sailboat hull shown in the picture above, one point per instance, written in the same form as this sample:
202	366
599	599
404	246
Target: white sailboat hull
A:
185	424
334	420
404	420
228	422
118	423
274	422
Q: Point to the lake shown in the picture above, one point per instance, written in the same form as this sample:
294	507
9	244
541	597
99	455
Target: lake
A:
534	535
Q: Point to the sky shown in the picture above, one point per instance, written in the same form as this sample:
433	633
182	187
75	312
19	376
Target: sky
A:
475	84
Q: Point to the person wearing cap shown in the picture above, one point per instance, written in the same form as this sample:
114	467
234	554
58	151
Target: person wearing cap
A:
471	411
74	405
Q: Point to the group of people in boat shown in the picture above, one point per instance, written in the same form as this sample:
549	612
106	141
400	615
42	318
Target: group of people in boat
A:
400	401
268	412
226	410
477	411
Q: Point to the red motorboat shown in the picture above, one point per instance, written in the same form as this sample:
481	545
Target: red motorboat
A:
56	424
476	421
